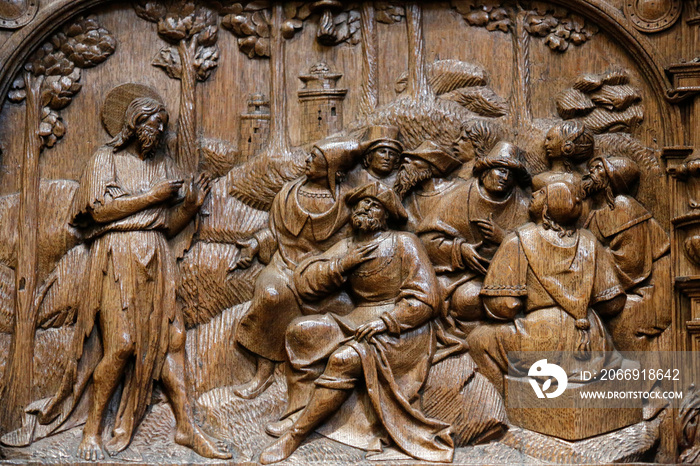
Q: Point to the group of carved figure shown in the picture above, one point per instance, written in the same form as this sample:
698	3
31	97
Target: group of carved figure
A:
379	261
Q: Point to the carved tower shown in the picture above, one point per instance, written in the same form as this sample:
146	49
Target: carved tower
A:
255	126
321	103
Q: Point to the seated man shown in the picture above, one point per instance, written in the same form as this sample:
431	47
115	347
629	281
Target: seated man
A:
423	179
463	231
385	345
640	249
548	283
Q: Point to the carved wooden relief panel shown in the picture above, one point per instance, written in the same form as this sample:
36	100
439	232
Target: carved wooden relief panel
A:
324	232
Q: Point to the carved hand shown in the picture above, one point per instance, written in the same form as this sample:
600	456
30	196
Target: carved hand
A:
474	260
370	329
357	256
197	191
249	248
491	231
165	190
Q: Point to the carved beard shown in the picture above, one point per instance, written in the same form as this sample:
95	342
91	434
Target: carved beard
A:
408	176
148	140
368	223
593	185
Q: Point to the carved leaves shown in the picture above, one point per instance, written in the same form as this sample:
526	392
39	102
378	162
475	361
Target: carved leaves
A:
389	12
191	28
605	102
58	63
557	25
484	13
250	22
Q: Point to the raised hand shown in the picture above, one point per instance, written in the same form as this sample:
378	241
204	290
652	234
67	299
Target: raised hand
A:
357	256
197	190
248	248
165	190
491	231
474	260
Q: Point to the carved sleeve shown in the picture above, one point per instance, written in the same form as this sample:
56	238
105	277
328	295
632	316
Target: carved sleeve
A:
445	251
321	275
98	184
418	300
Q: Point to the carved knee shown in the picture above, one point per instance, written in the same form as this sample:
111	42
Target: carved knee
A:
465	304
345	362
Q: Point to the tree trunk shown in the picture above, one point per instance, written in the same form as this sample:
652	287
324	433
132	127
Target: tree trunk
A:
368	99
278	144
418	86
17	386
187	150
521	106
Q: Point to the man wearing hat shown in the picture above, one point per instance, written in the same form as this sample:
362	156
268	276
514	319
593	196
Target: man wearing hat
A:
464	229
307	217
640	249
126	207
549	281
381	159
385	344
422	180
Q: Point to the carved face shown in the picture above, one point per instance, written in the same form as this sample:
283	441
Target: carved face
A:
149	131
553	143
498	181
596	180
368	215
412	171
382	161
316	165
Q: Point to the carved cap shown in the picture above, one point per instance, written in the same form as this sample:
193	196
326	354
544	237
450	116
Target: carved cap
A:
387	197
505	155
436	156
118	100
623	174
563	202
341	154
382	136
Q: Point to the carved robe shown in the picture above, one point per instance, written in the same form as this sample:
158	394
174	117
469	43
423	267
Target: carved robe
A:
293	235
131	274
398	286
559	285
419	203
450	224
640	252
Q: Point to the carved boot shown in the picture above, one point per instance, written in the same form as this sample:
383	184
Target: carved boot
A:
324	402
277	428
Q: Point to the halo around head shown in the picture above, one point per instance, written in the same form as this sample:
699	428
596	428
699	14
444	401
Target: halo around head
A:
118	100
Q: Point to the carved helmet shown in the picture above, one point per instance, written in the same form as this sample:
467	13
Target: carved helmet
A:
341	154
623	174
505	155
387	197
436	156
382	136
563	202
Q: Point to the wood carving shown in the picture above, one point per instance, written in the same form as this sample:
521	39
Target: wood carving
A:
304	232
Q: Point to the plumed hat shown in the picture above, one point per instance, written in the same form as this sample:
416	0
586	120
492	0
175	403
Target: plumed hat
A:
387	197
436	156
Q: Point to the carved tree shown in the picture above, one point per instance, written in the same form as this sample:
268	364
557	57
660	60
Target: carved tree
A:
557	25
48	83
192	31
261	28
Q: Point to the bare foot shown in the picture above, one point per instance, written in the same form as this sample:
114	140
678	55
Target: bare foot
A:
254	388
281	449
119	441
90	448
201	445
